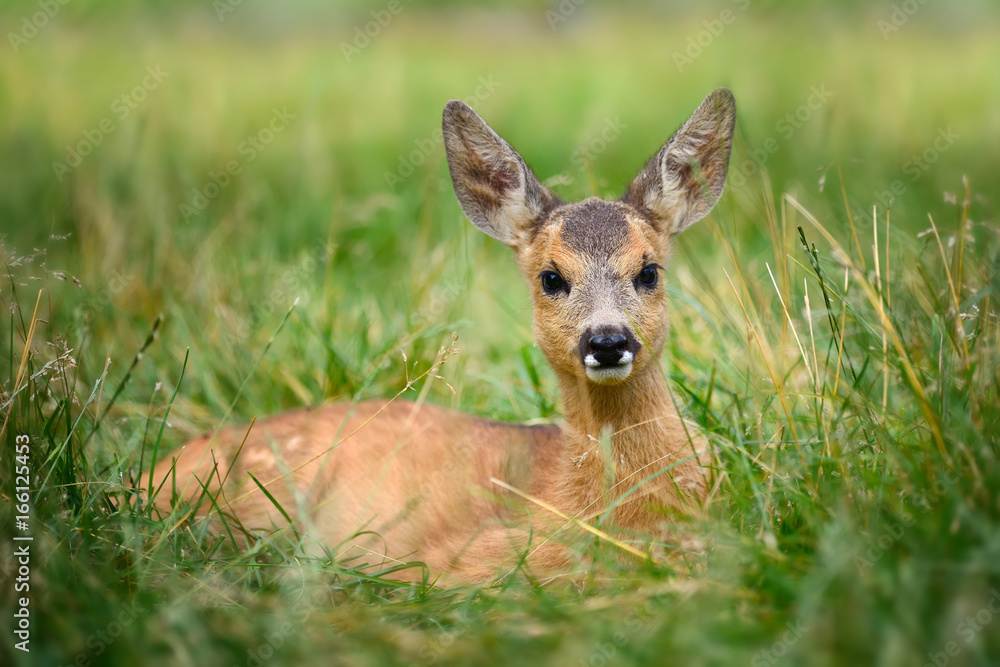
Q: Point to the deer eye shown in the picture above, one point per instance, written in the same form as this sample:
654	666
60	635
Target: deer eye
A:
552	282
648	277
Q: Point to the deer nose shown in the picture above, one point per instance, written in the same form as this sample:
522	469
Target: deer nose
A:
607	349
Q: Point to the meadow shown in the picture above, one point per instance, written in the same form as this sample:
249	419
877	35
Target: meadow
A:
215	212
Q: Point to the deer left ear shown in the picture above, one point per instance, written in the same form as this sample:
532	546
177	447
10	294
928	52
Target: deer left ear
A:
679	186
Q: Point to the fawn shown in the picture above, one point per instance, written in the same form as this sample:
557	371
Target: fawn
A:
397	482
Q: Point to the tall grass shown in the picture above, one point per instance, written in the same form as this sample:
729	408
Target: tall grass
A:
842	358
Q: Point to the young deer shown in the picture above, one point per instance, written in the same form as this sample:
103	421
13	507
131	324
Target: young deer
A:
398	482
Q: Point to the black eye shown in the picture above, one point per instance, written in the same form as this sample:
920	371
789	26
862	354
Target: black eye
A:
552	282
648	277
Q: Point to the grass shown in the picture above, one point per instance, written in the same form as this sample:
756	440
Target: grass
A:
845	368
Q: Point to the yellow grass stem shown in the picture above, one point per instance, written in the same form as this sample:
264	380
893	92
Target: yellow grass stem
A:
791	323
881	307
778	386
850	217
904	358
959	329
22	367
843	323
586	526
963	220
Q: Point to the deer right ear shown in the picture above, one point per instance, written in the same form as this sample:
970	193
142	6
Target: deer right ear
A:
494	186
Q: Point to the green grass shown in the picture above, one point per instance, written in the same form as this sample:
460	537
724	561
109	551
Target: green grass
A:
855	519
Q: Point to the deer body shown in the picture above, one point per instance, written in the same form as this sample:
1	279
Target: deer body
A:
396	482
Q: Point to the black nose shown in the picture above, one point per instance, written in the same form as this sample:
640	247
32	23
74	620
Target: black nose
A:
608	349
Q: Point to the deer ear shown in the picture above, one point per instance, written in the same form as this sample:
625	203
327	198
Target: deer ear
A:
683	182
494	186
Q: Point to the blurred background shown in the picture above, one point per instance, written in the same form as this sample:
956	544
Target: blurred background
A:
189	158
119	121
244	207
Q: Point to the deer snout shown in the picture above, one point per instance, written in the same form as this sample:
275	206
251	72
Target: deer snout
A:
607	350
607	354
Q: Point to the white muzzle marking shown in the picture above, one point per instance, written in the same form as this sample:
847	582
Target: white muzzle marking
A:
608	374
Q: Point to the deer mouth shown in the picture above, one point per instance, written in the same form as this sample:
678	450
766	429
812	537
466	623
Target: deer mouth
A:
606	370
608	354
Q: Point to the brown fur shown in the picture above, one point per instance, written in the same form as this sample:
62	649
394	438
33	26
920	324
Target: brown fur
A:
418	479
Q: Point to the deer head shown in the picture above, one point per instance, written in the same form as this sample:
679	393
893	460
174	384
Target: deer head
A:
594	267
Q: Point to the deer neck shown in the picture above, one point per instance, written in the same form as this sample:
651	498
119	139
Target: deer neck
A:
638	408
646	435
